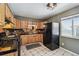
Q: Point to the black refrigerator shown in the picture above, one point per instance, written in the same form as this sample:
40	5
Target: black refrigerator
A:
51	35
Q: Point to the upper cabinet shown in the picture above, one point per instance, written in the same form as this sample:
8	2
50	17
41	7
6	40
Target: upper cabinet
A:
2	13
14	21
18	23
24	23
8	13
39	25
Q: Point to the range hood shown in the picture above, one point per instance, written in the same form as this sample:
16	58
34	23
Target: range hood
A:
7	21
8	24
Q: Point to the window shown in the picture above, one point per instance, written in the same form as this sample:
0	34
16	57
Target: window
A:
70	26
67	27
76	26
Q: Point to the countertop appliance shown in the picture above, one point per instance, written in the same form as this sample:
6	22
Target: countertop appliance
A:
51	35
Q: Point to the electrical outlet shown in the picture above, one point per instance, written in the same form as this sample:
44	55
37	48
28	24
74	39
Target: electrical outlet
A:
62	43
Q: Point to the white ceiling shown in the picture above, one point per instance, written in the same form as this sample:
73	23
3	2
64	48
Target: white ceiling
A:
39	10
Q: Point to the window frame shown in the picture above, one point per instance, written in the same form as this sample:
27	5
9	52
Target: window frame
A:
65	18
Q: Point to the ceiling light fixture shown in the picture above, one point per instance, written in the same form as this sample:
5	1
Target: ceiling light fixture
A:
51	5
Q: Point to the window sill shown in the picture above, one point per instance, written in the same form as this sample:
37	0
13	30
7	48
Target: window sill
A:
71	37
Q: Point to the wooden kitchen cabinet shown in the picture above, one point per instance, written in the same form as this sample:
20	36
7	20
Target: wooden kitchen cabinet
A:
2	13
34	37
18	23
30	39
24	23
24	39
14	21
39	37
8	14
39	25
27	39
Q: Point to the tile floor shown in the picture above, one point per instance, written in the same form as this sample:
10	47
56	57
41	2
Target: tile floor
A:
43	51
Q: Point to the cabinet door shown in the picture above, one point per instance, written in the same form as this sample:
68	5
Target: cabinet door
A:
41	38
2	13
29	39
33	38
14	21
24	23
18	23
9	14
39	25
36	38
24	39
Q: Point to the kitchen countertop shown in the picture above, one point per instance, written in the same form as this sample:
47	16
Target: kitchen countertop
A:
22	32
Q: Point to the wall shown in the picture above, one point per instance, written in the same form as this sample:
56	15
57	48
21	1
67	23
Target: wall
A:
69	43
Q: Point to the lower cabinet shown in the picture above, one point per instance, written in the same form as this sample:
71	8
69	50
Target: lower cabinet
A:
39	37
26	39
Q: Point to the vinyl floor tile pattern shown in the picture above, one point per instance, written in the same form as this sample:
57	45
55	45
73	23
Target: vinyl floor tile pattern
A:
43	51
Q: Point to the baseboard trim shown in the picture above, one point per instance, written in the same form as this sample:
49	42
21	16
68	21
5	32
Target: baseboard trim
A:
70	51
